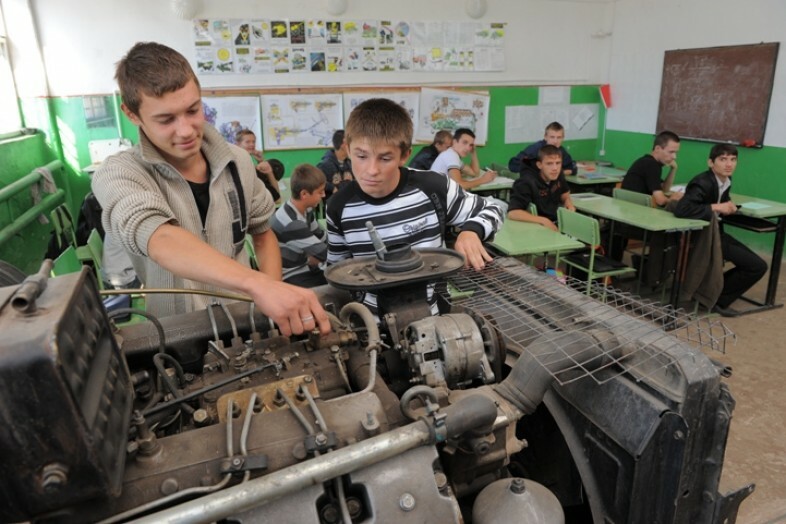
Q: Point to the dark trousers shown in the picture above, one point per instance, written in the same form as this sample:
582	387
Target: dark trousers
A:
748	269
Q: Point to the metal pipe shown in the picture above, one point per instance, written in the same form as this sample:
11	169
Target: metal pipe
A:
23	300
28	217
253	493
469	413
28	180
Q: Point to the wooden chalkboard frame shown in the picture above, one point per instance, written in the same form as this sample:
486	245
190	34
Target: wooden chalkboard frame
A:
718	94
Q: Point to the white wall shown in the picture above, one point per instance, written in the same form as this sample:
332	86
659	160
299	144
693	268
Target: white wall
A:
644	29
547	41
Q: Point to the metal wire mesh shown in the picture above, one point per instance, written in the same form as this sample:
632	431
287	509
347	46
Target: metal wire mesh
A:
631	335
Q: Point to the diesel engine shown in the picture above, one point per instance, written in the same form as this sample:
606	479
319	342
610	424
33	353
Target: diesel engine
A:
522	401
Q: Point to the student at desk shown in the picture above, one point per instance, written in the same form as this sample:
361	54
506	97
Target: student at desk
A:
553	136
644	176
426	156
449	162
708	193
547	189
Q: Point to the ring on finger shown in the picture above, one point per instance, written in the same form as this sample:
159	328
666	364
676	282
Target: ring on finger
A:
306	318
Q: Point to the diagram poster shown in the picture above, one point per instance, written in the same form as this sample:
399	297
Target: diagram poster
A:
451	110
300	121
231	114
409	100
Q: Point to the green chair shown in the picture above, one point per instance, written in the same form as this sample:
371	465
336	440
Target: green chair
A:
64	225
638	252
627	195
67	262
587	230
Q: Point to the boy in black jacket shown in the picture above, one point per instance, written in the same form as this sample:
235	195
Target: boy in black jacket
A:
708	193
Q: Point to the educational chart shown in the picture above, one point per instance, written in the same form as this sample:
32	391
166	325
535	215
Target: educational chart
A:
231	114
409	100
527	123
300	121
261	46
451	110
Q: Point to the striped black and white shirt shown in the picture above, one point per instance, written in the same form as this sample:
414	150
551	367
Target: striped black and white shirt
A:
417	212
298	237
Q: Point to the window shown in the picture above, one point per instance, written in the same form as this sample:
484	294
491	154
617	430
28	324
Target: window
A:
10	120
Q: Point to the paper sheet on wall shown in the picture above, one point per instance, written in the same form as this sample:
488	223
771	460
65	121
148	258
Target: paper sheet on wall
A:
231	114
451	110
554	95
301	121
525	124
409	100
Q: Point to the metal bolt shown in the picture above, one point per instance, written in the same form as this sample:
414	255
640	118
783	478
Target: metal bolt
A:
517	486
679	435
54	476
354	506
321	439
334	348
169	486
481	448
201	418
406	502
330	514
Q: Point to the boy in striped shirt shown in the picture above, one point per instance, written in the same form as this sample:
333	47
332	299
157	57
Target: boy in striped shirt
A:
405	206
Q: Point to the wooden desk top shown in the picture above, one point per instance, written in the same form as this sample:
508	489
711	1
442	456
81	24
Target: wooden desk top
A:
647	218
517	238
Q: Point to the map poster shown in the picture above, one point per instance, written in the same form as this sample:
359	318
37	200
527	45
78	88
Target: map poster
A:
451	110
300	121
230	114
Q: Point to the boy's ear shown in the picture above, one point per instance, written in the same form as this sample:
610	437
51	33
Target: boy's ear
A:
405	157
131	115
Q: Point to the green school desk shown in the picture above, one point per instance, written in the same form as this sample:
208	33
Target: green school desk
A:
647	218
517	238
767	217
499	187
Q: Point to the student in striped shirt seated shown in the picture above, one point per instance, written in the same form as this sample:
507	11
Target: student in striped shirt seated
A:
302	241
404	206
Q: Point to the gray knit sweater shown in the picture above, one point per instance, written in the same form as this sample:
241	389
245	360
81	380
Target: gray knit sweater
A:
139	191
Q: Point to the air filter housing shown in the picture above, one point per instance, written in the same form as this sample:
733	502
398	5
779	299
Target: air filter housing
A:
65	401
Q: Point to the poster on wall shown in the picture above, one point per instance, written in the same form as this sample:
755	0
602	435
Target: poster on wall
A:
231	114
306	46
300	121
451	110
409	100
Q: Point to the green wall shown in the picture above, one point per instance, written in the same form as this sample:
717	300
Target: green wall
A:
760	172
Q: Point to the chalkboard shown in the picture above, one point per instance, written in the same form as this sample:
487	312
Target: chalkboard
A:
719	94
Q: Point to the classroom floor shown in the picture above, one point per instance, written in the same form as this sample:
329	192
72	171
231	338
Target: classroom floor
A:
756	448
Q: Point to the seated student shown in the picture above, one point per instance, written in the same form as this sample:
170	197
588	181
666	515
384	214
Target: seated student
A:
449	161
553	136
403	205
708	193
426	156
336	164
644	176
302	241
547	189
246	139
